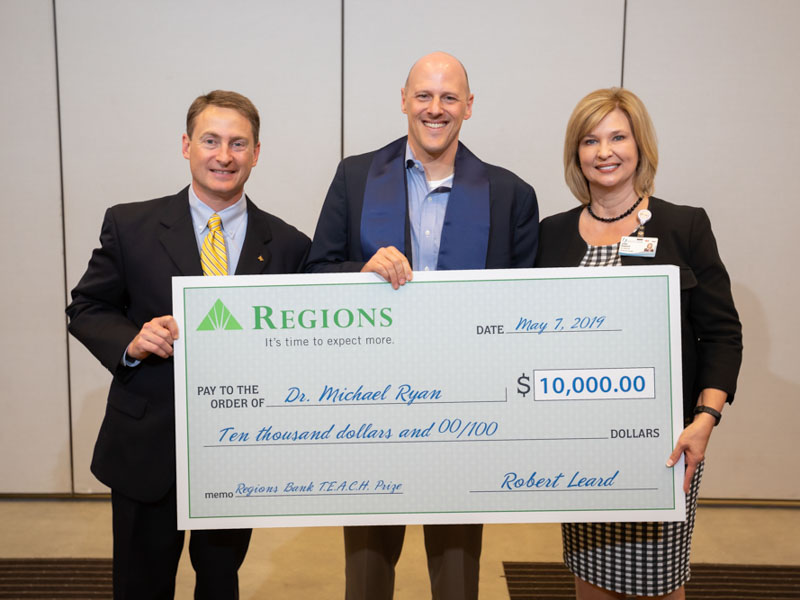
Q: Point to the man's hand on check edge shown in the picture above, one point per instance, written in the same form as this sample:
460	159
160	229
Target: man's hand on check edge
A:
155	337
391	264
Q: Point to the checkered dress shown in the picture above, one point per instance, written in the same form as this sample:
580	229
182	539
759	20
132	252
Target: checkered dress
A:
602	256
640	559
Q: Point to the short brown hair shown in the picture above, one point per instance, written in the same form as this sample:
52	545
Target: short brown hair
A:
224	99
592	109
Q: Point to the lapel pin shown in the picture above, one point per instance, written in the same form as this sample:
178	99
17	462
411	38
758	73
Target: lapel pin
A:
260	258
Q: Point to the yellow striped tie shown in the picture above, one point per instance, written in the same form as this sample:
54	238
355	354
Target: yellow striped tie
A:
213	256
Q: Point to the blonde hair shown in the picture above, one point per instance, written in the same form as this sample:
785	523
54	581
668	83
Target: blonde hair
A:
592	109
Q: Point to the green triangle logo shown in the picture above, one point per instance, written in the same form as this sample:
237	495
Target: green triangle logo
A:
219	317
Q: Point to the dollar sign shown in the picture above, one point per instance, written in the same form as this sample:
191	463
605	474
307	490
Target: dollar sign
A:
523	385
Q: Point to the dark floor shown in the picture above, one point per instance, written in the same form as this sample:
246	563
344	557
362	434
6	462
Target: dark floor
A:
309	563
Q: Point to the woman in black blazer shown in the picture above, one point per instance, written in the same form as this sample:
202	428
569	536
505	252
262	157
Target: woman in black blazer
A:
610	160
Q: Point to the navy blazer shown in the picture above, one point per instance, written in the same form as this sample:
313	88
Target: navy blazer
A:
127	283
711	333
513	215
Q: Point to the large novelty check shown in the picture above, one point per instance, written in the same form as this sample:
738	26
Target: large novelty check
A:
463	397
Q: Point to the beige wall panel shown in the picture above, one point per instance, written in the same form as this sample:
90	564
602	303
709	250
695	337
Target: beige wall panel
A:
528	63
129	71
721	81
719	77
34	428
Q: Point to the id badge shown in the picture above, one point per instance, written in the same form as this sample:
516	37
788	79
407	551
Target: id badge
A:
638	246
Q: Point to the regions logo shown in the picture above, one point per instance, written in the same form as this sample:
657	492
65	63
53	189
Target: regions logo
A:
219	317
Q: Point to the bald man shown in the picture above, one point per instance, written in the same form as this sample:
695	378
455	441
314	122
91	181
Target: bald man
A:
424	202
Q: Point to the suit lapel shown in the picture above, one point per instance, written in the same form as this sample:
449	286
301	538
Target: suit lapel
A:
384	213
653	228
255	256
574	245
177	235
178	238
465	231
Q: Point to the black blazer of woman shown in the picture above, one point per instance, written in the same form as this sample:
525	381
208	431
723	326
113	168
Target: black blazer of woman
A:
711	333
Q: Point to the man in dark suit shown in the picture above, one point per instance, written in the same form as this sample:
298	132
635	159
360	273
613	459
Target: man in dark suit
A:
121	311
424	202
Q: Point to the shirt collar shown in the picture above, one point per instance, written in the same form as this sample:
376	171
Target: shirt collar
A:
412	163
230	216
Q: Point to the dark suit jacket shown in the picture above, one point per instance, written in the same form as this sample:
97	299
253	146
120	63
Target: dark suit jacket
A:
710	328
513	229
127	283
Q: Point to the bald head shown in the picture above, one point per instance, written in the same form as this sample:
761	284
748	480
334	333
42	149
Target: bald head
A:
440	61
436	100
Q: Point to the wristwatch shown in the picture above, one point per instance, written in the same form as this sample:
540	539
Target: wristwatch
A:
707	409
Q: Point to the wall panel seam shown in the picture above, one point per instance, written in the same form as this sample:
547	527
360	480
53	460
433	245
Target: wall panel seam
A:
341	85
63	247
624	36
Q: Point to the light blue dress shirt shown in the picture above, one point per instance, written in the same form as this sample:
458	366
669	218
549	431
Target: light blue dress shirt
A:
234	225
426	209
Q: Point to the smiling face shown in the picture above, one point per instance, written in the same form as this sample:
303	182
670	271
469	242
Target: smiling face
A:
437	100
608	154
221	153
